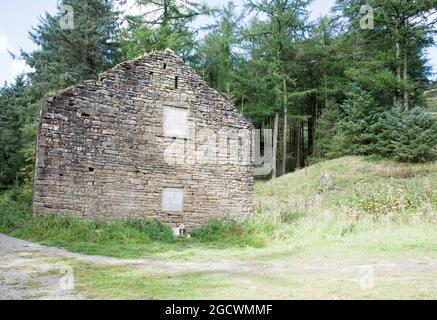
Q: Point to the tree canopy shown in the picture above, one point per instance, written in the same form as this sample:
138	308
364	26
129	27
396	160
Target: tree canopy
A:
327	87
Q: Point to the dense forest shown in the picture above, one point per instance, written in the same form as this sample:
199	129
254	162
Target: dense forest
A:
346	84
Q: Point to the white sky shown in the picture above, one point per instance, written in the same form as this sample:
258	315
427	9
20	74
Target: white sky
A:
18	16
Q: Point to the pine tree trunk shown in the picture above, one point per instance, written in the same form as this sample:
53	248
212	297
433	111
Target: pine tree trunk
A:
284	142
298	131
311	125
397	101
275	146
326	90
267	143
310	129
302	141
316	119
406	102
292	143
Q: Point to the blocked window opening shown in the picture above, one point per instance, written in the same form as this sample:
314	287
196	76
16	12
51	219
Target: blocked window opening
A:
176	84
172	200
175	122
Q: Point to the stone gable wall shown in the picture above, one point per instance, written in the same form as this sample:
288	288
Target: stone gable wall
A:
102	153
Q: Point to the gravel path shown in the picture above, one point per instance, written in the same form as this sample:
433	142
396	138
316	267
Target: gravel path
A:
27	273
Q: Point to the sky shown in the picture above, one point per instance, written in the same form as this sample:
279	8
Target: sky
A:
17	18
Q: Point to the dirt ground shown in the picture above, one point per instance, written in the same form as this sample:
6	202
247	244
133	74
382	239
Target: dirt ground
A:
32	271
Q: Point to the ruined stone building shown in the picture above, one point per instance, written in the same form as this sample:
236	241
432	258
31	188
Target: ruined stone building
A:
149	139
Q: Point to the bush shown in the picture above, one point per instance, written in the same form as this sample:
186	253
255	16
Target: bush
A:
344	129
15	208
359	127
406	136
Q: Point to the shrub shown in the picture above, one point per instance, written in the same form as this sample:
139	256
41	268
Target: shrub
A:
406	136
344	129
360	127
15	208
326	132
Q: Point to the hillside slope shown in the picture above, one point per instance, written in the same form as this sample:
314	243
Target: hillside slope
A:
431	100
354	203
357	186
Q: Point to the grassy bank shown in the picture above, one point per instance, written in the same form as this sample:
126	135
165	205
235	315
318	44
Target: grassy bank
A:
132	238
350	202
348	205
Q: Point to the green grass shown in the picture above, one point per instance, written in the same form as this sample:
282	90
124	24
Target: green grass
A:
307	278
355	204
344	212
345	205
122	239
134	283
431	100
130	238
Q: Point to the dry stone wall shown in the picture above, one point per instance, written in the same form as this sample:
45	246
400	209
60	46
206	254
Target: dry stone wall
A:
102	151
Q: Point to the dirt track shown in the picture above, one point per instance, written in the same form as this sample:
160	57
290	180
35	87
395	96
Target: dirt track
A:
27	273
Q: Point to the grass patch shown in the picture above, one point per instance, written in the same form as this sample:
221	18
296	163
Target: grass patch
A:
352	205
255	232
128	238
338	279
345	205
33	283
134	283
431	99
131	238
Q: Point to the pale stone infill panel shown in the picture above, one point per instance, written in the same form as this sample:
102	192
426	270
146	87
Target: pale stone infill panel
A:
175	122
172	200
102	151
